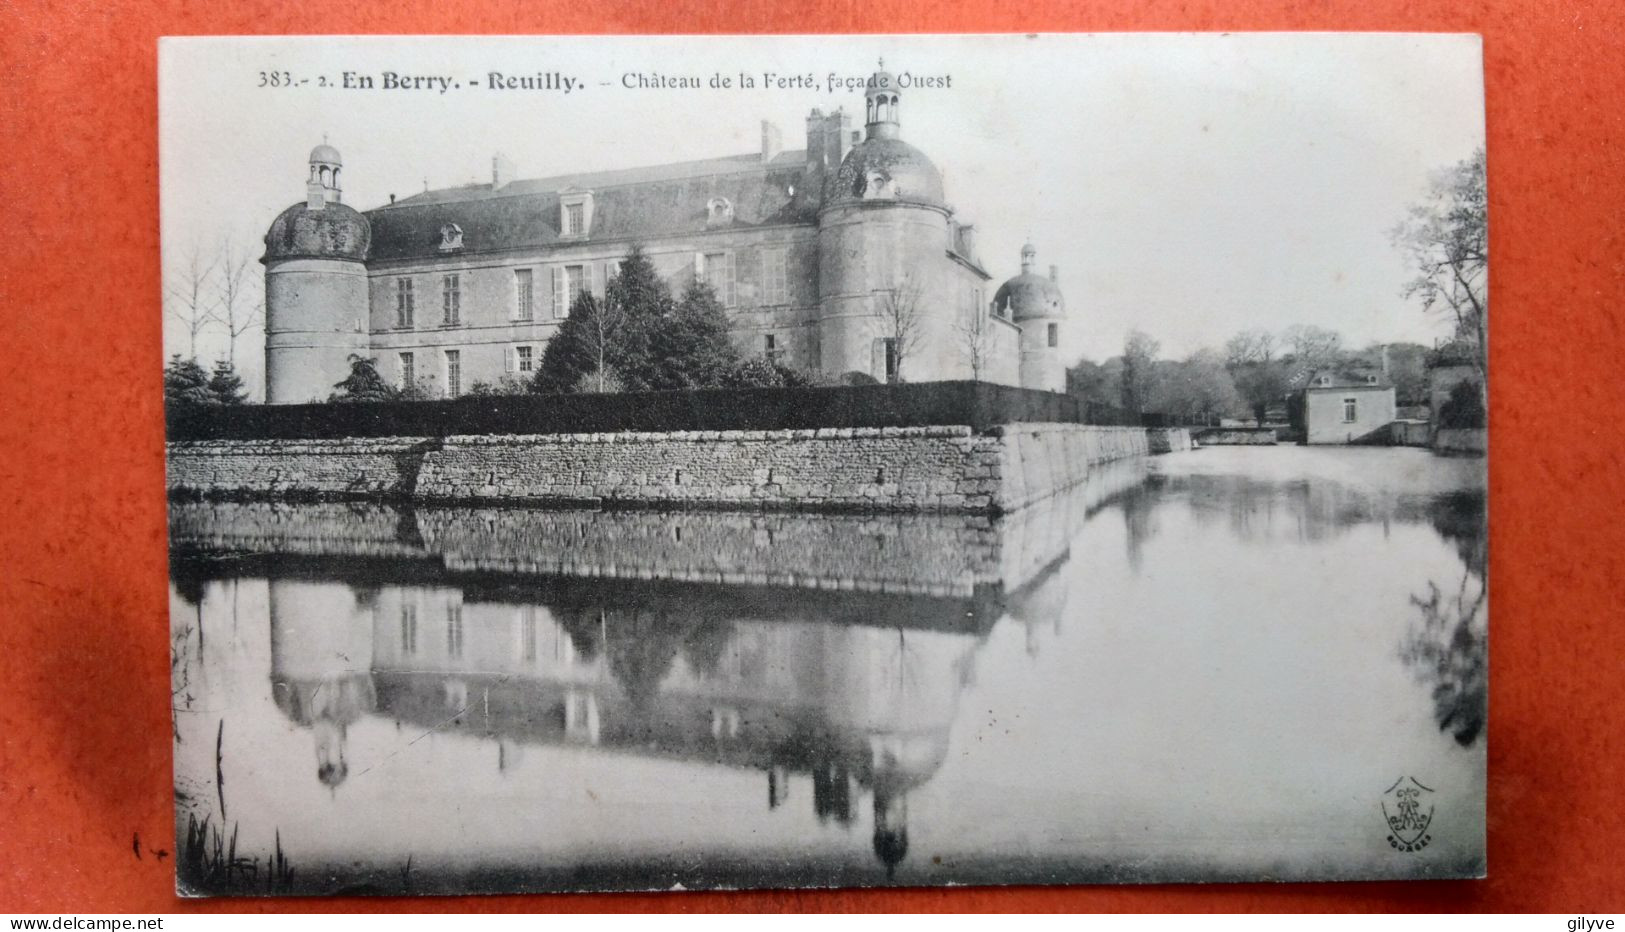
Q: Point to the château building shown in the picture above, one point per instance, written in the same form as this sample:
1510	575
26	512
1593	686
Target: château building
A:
812	252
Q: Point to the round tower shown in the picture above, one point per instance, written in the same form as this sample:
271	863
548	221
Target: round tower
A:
881	236
315	288
1034	303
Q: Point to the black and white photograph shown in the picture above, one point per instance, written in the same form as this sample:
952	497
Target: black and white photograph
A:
736	462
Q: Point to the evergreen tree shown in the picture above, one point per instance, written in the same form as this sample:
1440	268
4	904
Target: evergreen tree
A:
612	335
692	348
363	383
185	383
226	385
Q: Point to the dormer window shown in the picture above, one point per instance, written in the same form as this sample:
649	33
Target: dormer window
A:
719	211
1324	381
575	213
1370	380
451	237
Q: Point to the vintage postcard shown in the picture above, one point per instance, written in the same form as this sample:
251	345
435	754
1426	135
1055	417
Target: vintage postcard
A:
630	463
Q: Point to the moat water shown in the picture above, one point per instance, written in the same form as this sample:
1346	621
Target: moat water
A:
1231	663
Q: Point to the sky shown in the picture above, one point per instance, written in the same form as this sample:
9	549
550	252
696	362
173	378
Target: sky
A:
1188	185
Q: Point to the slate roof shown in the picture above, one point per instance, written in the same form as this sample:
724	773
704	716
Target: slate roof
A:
634	203
1344	377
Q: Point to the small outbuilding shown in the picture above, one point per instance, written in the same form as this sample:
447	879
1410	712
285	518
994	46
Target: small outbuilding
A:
1341	405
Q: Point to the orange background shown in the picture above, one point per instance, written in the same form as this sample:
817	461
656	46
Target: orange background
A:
84	730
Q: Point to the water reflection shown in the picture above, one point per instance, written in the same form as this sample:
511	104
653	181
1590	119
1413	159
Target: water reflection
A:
860	709
836	661
1448	646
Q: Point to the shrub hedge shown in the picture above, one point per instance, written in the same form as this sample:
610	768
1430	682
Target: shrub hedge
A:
977	404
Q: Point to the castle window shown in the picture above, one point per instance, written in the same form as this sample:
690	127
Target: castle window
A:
454	631
1350	410
775	286
527	633
575	213
524	359
454	373
568	283
524	287
890	347
719	274
719	211
1054	335
409	630
408	370
771	350
451	237
405	304
451	300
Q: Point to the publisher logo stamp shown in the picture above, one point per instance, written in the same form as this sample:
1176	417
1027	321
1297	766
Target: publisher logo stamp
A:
1408	809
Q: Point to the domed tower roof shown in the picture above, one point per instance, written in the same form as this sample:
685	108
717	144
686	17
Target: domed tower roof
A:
883	166
1029	294
332	231
887	169
325	154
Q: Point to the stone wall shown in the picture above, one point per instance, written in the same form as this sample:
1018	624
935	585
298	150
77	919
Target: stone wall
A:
1236	436
1034	461
892	468
1161	440
1461	440
355	468
913	469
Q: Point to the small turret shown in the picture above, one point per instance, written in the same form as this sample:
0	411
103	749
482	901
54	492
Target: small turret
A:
880	103
1034	303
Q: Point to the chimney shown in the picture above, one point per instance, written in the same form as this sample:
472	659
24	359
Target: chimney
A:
772	141
502	171
315	196
815	139
1055	274
844	136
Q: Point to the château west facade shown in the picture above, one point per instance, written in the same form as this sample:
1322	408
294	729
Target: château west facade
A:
816	255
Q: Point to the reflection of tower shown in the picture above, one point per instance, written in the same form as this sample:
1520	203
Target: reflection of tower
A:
321	664
315	288
891	829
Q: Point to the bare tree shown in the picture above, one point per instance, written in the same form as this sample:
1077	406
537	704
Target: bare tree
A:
241	304
1249	357
975	336
902	315
1250	346
602	323
1445	238
1312	346
188	291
